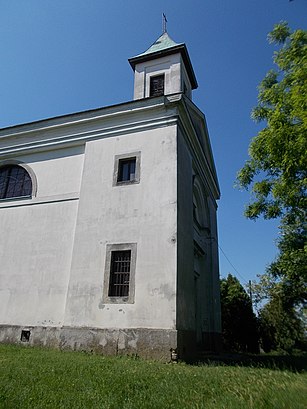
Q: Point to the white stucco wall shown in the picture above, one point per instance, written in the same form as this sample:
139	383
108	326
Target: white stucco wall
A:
53	246
143	213
215	277
36	239
185	290
198	270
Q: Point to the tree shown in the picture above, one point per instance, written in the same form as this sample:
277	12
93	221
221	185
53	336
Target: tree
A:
279	327
277	175
282	319
278	152
285	277
289	270
239	324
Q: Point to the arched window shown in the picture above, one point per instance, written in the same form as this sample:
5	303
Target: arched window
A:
200	205
15	181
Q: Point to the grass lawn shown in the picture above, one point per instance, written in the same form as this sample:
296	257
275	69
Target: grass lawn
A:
40	378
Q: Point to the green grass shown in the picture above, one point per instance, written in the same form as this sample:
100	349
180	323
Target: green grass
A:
40	378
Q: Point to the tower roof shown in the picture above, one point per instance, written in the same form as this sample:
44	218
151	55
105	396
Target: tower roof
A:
164	45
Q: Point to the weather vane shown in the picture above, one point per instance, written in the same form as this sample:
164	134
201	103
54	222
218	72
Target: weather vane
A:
164	21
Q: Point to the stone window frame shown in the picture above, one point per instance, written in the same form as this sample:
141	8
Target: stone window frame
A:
126	156
29	170
107	273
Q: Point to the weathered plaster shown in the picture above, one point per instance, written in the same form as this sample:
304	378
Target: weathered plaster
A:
143	342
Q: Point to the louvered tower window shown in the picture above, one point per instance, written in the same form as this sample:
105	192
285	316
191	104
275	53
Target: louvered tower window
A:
157	85
120	273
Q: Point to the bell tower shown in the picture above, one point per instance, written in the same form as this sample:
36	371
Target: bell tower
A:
164	69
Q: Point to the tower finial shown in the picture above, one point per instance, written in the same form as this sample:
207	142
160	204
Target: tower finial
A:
164	21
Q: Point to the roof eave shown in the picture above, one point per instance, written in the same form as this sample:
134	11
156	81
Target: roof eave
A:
181	48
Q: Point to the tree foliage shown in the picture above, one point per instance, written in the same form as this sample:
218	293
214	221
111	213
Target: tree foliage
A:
279	326
277	175
285	278
277	168
289	269
239	324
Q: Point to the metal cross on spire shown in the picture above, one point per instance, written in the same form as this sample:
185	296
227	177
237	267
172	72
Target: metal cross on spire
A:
164	21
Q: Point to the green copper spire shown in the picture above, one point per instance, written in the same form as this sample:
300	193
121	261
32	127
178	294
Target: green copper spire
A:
162	43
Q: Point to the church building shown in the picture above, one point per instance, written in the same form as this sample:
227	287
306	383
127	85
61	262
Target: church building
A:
108	222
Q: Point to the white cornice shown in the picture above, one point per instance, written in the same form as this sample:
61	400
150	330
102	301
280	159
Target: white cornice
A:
91	115
19	202
46	135
200	158
134	116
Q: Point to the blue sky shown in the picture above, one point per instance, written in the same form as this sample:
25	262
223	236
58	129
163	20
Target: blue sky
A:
64	56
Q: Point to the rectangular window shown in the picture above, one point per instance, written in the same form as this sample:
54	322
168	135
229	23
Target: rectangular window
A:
156	86
126	171
120	273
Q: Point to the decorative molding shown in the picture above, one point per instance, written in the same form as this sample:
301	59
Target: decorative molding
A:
18	202
203	168
79	138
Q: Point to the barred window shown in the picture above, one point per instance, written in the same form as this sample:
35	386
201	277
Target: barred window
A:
120	273
156	85
15	181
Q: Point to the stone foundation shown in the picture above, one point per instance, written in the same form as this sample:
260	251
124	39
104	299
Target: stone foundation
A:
146	343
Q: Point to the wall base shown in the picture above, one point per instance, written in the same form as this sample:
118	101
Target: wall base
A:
147	343
144	342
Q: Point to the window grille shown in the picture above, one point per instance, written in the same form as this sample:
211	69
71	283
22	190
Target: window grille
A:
120	273
14	182
126	171
157	85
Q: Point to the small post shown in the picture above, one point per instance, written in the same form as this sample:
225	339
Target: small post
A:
164	21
